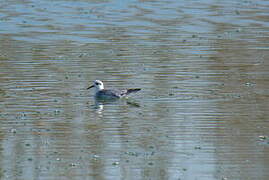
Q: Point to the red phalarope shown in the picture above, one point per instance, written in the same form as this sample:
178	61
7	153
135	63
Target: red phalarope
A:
102	93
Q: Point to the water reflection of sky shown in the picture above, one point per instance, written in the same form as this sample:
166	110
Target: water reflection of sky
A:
86	21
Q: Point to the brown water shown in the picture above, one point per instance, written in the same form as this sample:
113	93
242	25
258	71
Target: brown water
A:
202	113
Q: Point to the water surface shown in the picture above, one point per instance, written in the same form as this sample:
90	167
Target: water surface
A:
202	112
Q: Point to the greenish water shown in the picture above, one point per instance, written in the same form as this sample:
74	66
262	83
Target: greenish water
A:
202	113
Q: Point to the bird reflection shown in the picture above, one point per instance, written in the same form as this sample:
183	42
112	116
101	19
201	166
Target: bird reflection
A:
99	104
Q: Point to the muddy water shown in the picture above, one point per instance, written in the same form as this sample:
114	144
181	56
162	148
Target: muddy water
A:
203	111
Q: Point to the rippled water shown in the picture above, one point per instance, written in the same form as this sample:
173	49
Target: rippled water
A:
202	112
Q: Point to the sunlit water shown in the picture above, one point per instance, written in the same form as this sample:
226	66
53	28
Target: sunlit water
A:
202	113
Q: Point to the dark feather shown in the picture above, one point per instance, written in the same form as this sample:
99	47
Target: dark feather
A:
132	90
115	93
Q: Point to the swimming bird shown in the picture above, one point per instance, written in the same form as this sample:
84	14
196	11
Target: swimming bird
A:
102	93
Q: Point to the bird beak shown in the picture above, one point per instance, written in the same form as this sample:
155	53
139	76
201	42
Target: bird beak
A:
90	87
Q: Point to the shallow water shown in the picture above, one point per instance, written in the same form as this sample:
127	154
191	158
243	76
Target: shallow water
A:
202	112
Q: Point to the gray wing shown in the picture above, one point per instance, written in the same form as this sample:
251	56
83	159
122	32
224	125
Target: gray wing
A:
111	93
125	92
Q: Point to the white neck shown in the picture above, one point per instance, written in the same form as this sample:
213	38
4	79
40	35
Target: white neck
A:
99	88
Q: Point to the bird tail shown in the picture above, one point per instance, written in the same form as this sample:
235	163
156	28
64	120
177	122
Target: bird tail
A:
132	90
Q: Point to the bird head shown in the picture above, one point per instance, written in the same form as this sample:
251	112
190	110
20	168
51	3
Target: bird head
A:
99	85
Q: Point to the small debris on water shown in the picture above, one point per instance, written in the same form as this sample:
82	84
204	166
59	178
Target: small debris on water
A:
95	157
115	163
13	130
249	84
239	30
72	164
56	112
132	153
262	138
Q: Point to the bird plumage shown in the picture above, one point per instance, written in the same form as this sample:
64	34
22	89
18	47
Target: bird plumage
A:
102	93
